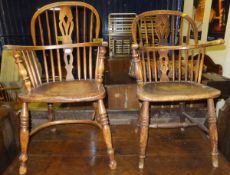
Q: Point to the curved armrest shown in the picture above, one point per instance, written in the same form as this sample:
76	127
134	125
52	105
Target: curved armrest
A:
50	47
180	47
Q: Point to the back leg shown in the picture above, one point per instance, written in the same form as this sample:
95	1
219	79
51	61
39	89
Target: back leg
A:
51	115
213	132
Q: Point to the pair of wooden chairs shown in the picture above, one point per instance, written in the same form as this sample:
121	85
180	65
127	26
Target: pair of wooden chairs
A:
67	33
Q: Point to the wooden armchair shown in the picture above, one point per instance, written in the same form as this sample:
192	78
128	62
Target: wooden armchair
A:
168	67
67	33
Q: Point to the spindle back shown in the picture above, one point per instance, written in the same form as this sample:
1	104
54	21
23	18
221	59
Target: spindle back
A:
153	30
66	23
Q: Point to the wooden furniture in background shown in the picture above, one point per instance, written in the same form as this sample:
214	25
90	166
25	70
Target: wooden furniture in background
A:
168	71
9	146
65	31
120	34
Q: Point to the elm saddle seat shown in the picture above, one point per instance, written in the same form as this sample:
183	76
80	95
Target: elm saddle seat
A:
64	34
168	65
175	91
66	92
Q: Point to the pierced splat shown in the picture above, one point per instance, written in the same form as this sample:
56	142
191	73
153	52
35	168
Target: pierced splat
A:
66	24
164	65
68	59
66	27
162	27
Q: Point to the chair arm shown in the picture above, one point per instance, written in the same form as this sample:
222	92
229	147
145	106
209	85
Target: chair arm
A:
183	47
67	51
100	65
136	67
51	47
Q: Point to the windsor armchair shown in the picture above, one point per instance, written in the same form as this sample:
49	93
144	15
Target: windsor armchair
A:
63	33
168	67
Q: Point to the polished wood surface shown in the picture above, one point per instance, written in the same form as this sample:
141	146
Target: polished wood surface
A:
66	92
67	33
168	66
175	91
122	97
170	151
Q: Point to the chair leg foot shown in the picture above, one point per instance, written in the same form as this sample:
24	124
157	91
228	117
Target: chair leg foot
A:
213	132
106	133
144	129
22	170
141	162
24	138
215	162
112	163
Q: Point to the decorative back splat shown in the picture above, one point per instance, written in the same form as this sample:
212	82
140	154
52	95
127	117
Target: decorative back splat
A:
162	32
162	27
66	24
66	27
164	65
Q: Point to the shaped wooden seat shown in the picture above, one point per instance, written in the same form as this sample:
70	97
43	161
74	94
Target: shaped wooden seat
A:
175	91
168	63
70	68
66	92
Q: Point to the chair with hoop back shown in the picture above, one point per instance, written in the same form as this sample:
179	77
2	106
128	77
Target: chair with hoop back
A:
63	33
168	67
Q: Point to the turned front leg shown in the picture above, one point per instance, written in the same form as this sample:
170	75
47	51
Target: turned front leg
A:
144	129
213	132
24	138
106	133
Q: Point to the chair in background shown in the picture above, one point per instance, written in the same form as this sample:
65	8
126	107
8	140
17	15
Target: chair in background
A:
64	33
168	66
